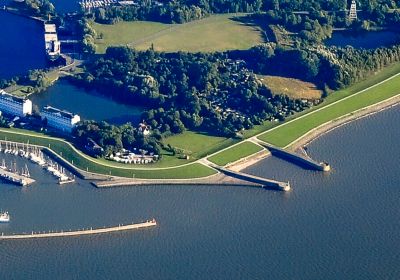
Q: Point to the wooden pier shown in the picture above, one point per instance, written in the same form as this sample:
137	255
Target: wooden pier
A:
90	231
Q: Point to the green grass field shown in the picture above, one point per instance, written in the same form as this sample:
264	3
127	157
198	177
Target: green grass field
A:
235	153
287	133
123	33
65	150
197	144
214	33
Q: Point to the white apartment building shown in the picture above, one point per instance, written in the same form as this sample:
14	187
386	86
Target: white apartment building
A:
15	106
59	119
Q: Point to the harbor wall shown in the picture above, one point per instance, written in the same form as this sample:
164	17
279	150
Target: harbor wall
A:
298	159
213	180
263	182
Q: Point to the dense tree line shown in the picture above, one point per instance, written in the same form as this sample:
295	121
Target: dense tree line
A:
87	35
179	11
208	92
334	67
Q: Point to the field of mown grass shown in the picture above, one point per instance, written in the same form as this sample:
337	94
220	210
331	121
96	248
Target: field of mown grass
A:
123	32
198	144
214	33
293	88
235	153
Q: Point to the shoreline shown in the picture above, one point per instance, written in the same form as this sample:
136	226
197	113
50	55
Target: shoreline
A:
325	128
320	131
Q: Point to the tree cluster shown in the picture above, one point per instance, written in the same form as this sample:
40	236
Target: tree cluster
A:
333	13
41	8
115	138
334	67
203	91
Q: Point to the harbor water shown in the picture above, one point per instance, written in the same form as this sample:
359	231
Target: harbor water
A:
340	225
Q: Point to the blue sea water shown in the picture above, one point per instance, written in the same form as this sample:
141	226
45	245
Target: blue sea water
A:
341	225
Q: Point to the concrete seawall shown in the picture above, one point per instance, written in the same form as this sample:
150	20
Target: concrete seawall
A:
262	182
298	159
217	179
80	232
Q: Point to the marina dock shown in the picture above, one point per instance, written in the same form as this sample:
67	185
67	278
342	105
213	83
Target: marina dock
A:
15	178
90	231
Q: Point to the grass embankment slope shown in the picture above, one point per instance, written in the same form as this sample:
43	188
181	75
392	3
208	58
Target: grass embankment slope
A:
214	33
84	162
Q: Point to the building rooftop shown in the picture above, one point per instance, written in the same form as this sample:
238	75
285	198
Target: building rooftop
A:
6	95
62	113
50	37
50	28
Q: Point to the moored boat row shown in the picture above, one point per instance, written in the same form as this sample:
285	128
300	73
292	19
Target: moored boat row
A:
36	156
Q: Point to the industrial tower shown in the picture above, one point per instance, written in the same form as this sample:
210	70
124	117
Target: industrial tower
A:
353	10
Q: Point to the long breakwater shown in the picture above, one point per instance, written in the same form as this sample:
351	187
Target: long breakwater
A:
90	231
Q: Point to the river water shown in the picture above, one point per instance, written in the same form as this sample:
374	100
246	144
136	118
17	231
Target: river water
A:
21	45
341	225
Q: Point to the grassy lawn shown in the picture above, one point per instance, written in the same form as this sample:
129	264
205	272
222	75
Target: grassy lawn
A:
123	33
287	133
65	150
235	153
214	33
293	88
198	144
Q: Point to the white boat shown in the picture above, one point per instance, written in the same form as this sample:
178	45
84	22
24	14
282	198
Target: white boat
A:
4	217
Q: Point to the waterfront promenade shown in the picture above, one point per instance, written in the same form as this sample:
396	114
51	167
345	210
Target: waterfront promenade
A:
90	231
